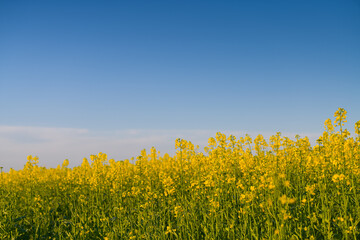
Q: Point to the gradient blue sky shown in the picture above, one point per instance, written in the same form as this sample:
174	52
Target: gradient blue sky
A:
180	67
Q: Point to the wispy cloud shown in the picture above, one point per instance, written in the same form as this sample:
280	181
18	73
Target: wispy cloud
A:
53	145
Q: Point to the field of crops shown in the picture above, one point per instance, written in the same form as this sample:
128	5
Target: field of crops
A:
235	189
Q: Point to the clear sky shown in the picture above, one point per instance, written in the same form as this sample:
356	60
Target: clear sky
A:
79	77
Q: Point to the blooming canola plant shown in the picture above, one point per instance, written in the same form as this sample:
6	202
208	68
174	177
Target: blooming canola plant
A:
238	188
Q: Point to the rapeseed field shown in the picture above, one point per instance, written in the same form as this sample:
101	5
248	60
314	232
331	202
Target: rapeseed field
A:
237	188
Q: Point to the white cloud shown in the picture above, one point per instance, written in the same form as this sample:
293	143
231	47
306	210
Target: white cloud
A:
53	145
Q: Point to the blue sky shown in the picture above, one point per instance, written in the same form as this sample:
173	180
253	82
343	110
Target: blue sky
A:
129	73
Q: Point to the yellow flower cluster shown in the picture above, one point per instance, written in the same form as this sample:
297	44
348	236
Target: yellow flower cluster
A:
238	188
